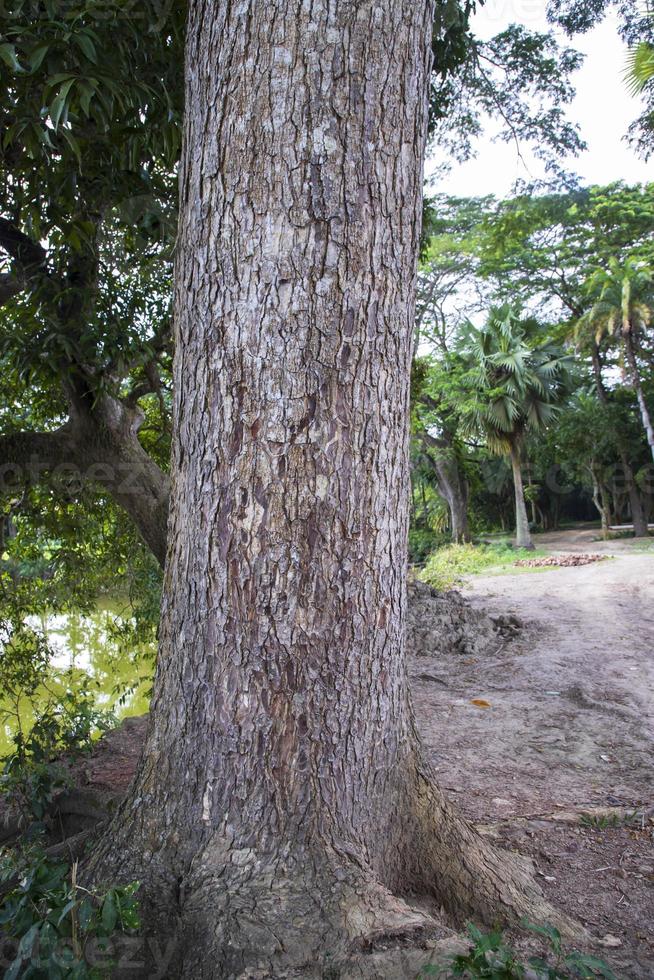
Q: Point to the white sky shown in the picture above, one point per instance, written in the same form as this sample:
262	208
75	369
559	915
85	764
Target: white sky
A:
602	108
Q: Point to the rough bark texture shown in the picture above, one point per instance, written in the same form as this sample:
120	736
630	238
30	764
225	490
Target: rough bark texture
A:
522	533
281	804
638	515
601	499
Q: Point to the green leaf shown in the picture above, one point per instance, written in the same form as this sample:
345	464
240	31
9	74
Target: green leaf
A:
75	147
8	55
549	932
85	43
38	54
589	966
109	915
58	109
86	91
85	914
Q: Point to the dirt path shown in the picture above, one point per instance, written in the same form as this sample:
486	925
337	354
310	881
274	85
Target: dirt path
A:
571	725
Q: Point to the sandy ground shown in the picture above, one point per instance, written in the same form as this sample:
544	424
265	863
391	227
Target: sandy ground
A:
570	728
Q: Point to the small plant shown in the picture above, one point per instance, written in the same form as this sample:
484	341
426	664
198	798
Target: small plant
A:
573	964
31	774
54	922
599	820
489	958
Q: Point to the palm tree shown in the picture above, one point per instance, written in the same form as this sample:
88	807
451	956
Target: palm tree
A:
640	67
623	308
517	383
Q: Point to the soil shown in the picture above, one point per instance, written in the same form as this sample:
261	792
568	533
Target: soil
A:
570	729
554	760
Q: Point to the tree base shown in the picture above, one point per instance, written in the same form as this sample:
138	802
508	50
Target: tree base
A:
297	908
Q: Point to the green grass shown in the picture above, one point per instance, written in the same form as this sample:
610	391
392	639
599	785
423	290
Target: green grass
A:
446	567
641	544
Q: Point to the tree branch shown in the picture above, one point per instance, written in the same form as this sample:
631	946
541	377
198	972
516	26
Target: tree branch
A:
27	455
29	255
10	286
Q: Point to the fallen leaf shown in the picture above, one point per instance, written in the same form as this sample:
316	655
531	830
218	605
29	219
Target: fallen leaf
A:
611	941
480	703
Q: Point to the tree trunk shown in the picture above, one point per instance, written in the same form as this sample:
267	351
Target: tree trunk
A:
458	505
452	484
532	499
638	516
630	354
282	808
600	501
522	533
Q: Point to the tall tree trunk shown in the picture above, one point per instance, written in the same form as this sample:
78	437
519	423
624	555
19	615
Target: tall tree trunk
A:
638	516
630	356
532	499
522	533
458	506
282	807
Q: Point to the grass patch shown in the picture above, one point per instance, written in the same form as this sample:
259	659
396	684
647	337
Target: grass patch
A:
446	567
641	544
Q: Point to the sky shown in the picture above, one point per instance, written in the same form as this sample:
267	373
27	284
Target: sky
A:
602	107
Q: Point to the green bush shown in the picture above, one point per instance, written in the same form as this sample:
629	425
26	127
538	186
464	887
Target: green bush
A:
489	958
54	922
446	566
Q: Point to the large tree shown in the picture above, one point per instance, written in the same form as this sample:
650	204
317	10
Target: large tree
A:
282	809
90	105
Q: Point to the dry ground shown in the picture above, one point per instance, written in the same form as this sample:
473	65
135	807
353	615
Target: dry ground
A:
570	729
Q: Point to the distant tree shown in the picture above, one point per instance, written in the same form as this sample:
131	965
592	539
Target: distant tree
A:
518	384
622	309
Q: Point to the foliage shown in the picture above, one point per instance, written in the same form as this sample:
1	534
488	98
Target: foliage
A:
640	67
56	924
520	79
489	958
517	379
567	256
445	567
65	718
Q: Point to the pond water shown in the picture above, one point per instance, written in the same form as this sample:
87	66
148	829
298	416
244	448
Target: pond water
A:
85	646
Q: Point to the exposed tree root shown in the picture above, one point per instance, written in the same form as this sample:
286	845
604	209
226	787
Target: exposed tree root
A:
468	875
246	910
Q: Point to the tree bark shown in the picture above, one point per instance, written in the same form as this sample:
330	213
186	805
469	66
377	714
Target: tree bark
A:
522	533
638	516
282	808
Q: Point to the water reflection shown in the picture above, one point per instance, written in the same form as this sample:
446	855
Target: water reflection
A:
86	646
